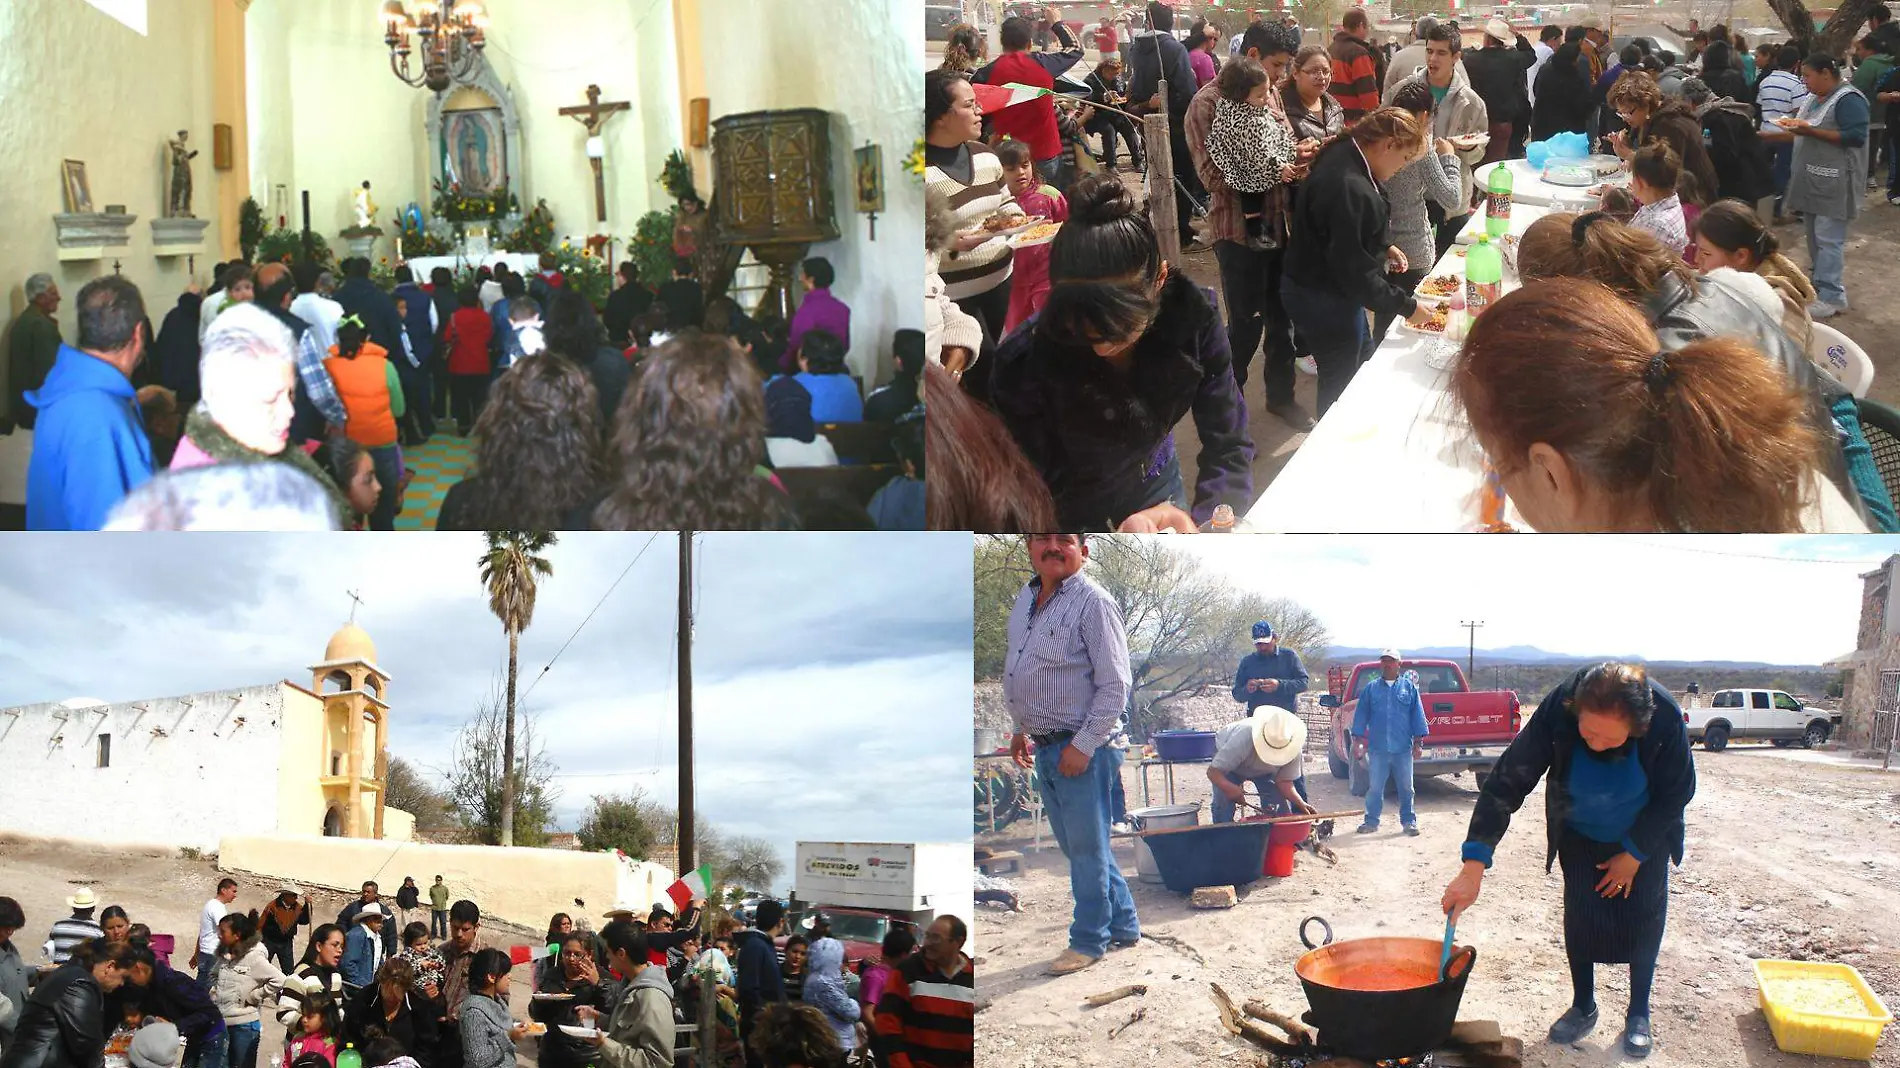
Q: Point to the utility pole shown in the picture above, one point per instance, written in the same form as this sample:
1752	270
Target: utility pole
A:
1471	646
685	837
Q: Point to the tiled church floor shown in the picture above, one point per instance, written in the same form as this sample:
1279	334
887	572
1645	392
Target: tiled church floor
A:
437	465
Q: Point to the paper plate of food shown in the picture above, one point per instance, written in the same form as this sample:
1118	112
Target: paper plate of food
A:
1040	234
579	1032
1439	285
540	996
1470	140
1003	223
1435	326
536	1027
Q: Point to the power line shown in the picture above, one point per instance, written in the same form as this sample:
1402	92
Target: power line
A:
590	616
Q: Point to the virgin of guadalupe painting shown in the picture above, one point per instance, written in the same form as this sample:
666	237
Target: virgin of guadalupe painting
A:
474	151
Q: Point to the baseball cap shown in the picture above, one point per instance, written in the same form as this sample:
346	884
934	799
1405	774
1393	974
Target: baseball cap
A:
1393	653
1262	631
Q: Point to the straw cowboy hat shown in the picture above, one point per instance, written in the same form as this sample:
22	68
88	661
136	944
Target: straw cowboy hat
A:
1278	735
83	899
289	889
371	911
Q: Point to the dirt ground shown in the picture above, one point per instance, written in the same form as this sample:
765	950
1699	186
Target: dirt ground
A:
1788	857
167	893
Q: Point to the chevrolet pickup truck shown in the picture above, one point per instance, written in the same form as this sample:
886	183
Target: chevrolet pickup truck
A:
1468	729
1769	715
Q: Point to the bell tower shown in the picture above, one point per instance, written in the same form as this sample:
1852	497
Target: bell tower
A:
353	763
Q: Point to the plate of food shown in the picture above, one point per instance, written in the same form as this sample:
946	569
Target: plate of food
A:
579	1032
1005	223
1435	326
536	1027
540	996
1470	140
1040	234
1440	285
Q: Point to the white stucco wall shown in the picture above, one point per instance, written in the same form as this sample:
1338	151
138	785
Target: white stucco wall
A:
859	60
326	113
207	775
522	886
79	84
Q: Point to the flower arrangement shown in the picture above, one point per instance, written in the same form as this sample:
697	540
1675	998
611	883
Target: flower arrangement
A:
914	163
284	245
536	232
586	273
383	274
651	246
676	176
419	242
251	227
454	205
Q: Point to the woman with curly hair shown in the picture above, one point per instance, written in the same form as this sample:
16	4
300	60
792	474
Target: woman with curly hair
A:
790	1035
689	442
538	456
964	50
571	329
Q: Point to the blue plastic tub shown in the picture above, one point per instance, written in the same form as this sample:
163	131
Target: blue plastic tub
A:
1220	854
1184	745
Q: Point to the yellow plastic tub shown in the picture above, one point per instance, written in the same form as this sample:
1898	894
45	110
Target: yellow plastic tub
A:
1851	1034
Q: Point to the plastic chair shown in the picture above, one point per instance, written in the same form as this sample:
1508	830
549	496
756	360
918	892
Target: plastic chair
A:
1881	426
1838	355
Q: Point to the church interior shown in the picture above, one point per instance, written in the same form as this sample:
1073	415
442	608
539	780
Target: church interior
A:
578	105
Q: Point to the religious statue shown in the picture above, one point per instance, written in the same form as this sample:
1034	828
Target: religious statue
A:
180	203
365	208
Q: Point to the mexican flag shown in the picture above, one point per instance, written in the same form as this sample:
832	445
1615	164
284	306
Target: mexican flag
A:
695	885
993	98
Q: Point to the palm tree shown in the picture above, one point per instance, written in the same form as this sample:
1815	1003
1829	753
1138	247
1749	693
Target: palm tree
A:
511	566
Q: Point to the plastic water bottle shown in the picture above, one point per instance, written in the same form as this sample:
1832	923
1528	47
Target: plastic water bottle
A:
1222	522
349	1058
1484	278
1497	203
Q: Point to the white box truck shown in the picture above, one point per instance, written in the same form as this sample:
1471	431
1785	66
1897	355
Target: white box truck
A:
868	888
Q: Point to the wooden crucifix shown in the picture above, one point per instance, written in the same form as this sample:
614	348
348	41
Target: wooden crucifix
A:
594	116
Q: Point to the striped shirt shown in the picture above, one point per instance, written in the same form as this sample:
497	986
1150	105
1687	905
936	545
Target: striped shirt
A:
1780	94
68	933
926	1019
1067	665
983	268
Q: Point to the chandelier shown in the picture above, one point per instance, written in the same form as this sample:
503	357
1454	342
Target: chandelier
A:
452	40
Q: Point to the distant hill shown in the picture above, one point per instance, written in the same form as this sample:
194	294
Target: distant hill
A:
1530	654
1532	672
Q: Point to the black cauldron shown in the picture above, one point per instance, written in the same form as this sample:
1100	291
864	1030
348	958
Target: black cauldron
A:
1359	1014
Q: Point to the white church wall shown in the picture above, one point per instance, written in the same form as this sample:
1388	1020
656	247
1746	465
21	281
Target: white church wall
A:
301	758
522	886
326	113
80	85
182	771
859	60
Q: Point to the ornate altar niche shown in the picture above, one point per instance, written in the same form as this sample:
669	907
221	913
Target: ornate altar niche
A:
773	191
474	136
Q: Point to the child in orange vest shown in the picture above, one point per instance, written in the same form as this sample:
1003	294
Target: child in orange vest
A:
372	396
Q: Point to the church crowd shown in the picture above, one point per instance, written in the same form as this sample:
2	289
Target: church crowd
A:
285	398
1645	368
416	982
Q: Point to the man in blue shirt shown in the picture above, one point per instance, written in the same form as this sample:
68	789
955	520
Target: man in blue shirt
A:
89	443
1270	675
1390	727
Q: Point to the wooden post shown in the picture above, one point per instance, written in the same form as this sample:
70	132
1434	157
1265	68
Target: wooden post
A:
1154	128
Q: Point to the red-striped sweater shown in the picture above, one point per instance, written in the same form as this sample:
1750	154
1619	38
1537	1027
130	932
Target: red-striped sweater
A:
1358	74
927	1020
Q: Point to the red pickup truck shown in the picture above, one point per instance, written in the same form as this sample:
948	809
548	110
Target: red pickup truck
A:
1468	730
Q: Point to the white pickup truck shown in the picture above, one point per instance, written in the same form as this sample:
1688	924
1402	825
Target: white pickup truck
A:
1768	715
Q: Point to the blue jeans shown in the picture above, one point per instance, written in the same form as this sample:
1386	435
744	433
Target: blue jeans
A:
1827	251
438	923
388	463
1270	796
206	962
213	1051
1893	162
1782	170
1078	809
241	1044
1334	325
1398	766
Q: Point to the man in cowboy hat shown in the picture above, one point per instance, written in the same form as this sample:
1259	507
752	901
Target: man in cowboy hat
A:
278	923
1390	727
74	929
363	948
1263	749
1271	674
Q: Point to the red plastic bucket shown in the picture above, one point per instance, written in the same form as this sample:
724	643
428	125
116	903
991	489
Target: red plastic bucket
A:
1289	833
1279	863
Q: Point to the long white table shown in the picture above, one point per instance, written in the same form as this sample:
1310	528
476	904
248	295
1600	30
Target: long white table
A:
1393	454
525	263
1528	187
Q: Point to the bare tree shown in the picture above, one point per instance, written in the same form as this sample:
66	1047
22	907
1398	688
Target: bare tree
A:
475	775
752	863
1002	567
408	790
1831	39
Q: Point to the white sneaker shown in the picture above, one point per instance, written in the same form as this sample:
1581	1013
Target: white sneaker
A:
1306	365
1895	201
1821	309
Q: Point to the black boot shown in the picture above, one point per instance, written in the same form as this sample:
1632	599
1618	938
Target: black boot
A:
1572	1026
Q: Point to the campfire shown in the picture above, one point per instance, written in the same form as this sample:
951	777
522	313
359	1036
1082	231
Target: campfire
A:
1472	1043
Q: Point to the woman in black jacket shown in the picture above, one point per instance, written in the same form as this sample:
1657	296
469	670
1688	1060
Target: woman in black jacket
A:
1338	262
1722	72
574	981
1613	744
64	1024
392	1008
1563	101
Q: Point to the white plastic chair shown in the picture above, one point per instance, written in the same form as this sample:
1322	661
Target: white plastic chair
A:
1838	355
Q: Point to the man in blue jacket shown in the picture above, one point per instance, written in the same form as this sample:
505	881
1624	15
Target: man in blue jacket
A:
89	443
1270	675
1390	727
759	981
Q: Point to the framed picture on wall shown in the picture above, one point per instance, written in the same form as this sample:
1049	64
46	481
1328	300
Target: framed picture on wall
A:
78	193
870	184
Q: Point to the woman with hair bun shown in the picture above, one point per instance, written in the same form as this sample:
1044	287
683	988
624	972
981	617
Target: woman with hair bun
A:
1338	261
1683	307
1610	746
1593	424
1730	234
1123	349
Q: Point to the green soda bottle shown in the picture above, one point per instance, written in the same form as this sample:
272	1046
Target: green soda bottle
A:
1484	280
1497	201
349	1058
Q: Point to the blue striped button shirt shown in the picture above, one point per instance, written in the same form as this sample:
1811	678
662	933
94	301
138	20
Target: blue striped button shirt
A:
1067	667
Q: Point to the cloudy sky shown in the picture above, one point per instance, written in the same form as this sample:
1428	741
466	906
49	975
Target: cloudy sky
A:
1777	600
832	671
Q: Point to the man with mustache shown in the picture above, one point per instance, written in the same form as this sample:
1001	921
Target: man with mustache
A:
1066	680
